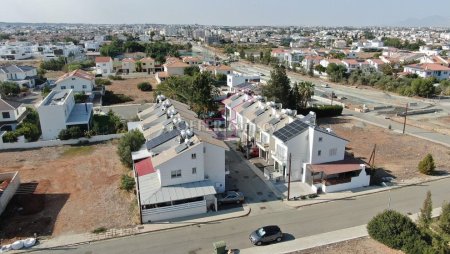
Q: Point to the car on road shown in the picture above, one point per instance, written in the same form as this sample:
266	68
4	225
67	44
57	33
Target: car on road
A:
266	234
325	85
230	197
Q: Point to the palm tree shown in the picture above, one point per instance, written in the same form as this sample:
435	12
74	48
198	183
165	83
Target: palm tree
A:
306	91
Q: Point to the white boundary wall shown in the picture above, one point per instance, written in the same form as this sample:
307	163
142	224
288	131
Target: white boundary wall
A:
10	190
56	142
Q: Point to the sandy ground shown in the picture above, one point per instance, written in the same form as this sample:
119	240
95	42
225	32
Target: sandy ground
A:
357	246
129	87
77	191
397	154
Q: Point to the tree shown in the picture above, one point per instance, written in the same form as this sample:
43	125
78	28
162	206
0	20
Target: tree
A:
74	66
397	231
102	82
130	142
9	88
444	219
336	72
278	88
127	183
320	68
425	212
191	70
80	98
426	166
152	34
423	87
144	86
114	49
203	93
306	91
242	53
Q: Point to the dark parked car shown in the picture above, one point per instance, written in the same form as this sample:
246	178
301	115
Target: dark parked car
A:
231	197
266	234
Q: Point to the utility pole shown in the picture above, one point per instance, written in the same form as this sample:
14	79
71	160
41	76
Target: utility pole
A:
404	122
332	97
289	177
247	143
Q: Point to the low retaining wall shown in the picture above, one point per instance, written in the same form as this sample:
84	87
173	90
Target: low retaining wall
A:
10	190
56	142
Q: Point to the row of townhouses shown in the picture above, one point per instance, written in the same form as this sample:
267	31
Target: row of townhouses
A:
317	155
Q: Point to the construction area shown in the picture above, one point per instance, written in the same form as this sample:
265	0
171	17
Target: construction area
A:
396	155
66	190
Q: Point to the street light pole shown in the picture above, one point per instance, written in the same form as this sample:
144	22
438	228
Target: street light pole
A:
389	203
289	177
404	122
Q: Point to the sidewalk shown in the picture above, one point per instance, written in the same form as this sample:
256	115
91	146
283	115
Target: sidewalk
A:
309	242
80	239
328	197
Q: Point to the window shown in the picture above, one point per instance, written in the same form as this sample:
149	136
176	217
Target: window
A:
320	139
72	87
63	87
5	115
319	152
194	156
204	149
84	86
333	151
175	173
73	78
194	171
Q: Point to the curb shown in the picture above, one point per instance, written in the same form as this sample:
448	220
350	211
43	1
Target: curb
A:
375	192
139	233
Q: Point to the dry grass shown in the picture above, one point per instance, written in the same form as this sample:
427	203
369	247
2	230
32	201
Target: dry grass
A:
129	87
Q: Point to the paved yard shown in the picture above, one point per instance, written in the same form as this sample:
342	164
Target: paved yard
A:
76	191
258	196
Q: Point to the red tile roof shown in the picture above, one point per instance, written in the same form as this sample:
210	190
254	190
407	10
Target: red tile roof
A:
128	60
429	66
144	167
77	73
103	59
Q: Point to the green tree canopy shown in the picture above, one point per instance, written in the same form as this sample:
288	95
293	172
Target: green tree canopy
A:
278	88
130	142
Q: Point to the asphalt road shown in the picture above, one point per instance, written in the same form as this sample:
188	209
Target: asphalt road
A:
295	223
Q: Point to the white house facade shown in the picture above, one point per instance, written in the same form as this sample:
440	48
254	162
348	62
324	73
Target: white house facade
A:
79	81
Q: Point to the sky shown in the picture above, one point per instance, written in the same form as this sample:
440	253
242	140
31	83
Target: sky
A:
223	12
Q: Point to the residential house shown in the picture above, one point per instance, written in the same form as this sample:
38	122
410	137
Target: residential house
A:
11	114
148	65
325	62
235	79
192	60
78	80
216	69
59	111
376	63
24	76
426	70
311	61
128	65
174	68
181	166
104	65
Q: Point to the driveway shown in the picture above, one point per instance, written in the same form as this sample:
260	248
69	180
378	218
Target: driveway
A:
257	195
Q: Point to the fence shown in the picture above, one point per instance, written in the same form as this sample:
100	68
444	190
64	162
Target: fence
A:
56	142
10	190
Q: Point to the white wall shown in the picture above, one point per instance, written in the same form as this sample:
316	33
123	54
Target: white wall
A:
184	162
327	144
174	70
53	117
169	212
104	68
10	190
362	180
299	149
215	166
76	84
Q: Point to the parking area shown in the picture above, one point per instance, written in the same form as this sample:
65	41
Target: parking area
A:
242	178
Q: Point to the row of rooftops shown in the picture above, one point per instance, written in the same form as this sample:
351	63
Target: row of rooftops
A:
15	68
170	128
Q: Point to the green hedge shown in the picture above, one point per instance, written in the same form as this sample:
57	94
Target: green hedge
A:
323	111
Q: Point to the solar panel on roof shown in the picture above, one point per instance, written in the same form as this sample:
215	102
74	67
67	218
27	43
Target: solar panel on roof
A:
247	104
161	139
274	121
181	148
260	111
290	130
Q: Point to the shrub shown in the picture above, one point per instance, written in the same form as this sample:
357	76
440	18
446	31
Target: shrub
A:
130	142
99	230
73	132
444	219
426	166
10	137
115	77
127	183
102	82
145	86
64	134
394	230
80	98
29	130
425	212
107	124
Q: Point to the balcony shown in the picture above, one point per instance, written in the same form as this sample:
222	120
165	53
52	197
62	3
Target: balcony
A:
280	157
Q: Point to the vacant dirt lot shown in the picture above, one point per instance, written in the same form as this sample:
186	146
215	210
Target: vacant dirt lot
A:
357	246
397	154
77	190
129	87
